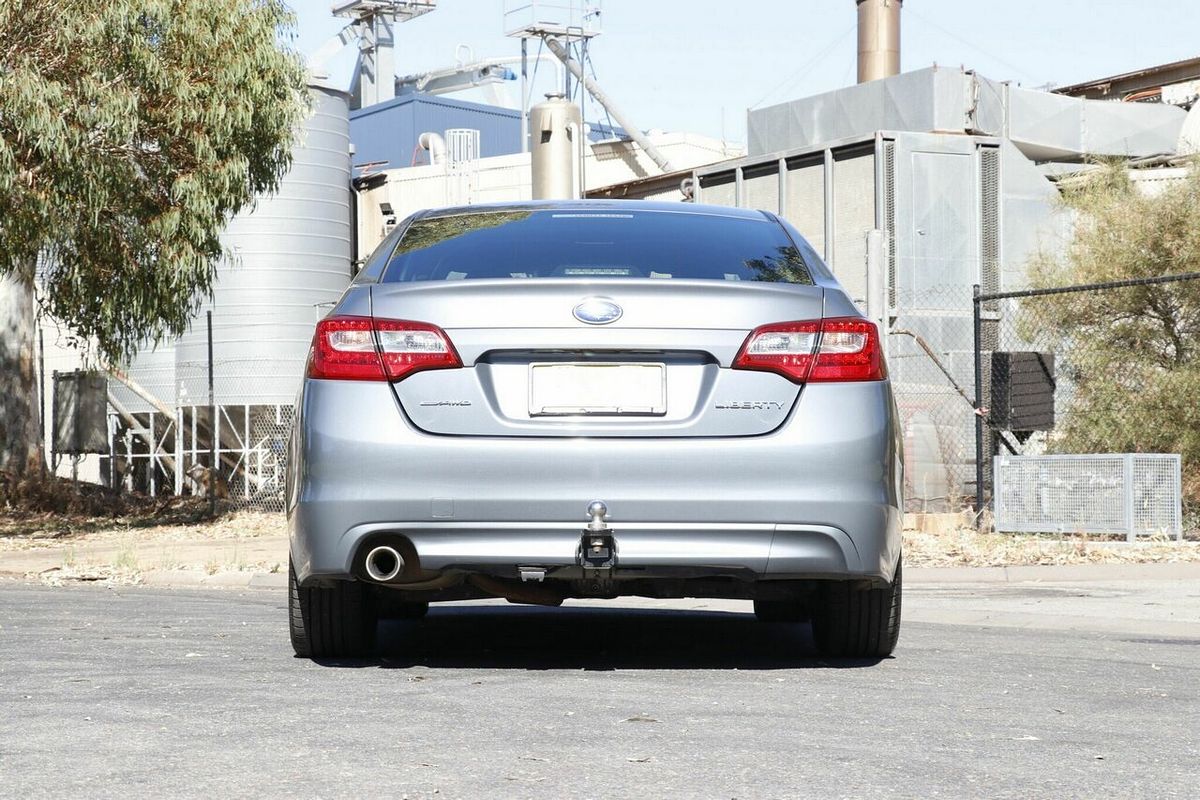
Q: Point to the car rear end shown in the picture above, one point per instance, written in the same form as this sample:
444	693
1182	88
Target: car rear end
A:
592	400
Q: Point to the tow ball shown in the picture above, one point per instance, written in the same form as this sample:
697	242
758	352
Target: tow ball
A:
598	549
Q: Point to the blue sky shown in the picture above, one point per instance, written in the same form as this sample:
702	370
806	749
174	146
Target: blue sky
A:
698	65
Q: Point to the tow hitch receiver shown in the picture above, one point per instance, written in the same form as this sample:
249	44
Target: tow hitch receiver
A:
598	549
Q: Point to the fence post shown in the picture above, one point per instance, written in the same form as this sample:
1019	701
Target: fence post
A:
978	338
1177	480
42	392
212	420
1127	500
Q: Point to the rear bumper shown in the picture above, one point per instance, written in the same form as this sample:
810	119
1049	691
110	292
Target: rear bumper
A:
818	498
644	550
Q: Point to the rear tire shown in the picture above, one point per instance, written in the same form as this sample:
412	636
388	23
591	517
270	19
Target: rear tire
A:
331	622
858	623
780	611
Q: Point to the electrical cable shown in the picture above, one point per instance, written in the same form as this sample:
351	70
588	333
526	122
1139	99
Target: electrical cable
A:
807	64
592	67
972	45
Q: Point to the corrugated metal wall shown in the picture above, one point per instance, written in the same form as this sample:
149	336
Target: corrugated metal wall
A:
760	187
804	205
853	218
389	131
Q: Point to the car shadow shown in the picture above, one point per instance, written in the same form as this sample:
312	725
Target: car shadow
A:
597	639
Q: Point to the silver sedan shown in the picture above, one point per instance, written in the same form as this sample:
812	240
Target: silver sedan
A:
543	401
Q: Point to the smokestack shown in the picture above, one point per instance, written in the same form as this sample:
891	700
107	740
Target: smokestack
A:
878	39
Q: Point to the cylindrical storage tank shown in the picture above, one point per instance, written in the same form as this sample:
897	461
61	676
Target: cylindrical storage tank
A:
290	260
878	39
556	128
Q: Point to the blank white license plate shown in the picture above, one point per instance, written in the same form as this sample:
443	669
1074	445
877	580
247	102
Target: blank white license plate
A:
569	389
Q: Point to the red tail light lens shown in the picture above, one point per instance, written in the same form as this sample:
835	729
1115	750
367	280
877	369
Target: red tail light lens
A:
365	349
829	350
408	347
784	347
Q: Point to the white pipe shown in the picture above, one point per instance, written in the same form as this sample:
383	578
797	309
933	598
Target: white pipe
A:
421	80
435	144
603	99
559	74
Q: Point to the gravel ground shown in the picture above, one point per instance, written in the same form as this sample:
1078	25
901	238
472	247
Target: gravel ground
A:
108	692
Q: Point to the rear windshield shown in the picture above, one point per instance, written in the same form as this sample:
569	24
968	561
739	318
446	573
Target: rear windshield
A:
548	243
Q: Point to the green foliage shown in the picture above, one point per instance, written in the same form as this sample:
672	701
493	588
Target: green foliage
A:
130	132
1132	354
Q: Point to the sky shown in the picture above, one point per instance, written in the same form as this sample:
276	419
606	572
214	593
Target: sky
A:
698	65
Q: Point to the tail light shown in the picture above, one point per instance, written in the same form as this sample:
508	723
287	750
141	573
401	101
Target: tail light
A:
828	350
367	349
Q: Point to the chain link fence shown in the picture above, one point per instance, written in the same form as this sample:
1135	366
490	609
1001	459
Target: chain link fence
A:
190	419
1108	368
931	362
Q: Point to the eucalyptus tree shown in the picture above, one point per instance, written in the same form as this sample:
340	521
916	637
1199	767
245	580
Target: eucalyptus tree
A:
1132	354
130	132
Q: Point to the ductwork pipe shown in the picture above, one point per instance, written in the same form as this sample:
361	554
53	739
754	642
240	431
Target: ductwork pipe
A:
878	39
560	51
435	144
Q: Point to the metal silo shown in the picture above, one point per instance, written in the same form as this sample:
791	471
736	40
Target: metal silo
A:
557	127
290	256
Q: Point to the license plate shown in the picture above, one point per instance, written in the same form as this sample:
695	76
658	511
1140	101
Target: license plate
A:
612	389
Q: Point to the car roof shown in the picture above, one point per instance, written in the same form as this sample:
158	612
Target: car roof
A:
598	205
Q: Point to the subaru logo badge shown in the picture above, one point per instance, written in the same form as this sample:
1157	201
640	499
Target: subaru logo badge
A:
598	311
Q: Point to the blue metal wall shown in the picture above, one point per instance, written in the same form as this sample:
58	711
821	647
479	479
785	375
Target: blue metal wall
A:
388	131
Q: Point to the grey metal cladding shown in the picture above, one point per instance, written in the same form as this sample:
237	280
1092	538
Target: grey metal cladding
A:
938	99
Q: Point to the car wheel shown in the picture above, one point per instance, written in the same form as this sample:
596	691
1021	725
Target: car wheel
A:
331	622
779	611
858	623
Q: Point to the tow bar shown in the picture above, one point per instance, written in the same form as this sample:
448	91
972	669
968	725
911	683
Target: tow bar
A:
598	549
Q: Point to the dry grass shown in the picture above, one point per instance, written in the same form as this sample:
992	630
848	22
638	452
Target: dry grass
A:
232	525
948	540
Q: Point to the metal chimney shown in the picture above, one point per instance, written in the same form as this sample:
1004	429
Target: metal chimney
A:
878	39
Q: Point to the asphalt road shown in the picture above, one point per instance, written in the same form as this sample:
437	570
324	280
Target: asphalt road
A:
139	692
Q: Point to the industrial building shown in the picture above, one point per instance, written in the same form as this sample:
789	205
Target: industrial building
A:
913	186
916	187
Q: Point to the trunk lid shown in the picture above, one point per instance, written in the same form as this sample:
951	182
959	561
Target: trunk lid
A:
532	368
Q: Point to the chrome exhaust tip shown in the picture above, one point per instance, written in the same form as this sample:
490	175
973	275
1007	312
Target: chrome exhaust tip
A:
384	563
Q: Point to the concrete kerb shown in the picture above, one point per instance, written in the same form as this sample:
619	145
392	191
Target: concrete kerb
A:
1182	570
189	578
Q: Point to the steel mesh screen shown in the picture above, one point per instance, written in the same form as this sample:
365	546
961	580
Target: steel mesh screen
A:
989	218
1129	494
1156	494
889	217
